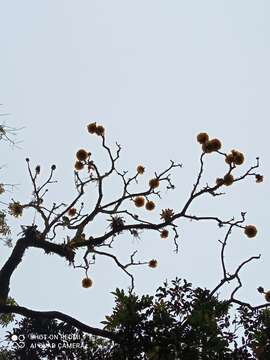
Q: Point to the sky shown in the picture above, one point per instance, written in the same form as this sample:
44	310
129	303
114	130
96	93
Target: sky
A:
154	74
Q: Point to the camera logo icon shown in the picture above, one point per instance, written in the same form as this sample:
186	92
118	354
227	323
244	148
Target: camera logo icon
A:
18	340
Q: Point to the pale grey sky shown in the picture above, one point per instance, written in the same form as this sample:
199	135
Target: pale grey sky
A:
154	73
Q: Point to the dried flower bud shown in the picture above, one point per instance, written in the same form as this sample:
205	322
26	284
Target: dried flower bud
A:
251	231
216	144
228	179
152	263
100	130
92	128
140	169
79	165
202	137
87	283
154	183
166	214
164	234
72	212
238	158
259	178
219	181
150	205
207	147
139	201
235	157
15	209
82	155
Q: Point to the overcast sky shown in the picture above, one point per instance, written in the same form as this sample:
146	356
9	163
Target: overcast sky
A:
154	73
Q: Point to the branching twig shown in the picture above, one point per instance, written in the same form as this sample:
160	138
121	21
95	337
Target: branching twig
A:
123	267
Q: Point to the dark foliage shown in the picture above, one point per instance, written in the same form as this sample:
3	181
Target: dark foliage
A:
179	322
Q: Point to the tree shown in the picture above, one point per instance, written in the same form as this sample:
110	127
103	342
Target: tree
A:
180	321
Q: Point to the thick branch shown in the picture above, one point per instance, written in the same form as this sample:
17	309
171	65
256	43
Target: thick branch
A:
8	309
17	254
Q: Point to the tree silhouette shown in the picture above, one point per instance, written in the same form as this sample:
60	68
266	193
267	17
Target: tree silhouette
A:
180	322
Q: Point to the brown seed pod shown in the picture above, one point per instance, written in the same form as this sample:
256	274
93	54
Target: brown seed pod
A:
100	130
79	165
150	205
251	231
216	144
152	263
259	178
207	147
139	201
140	169
228	179
154	183
82	155
87	283
164	234
92	128
238	158
219	181
72	212
202	137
